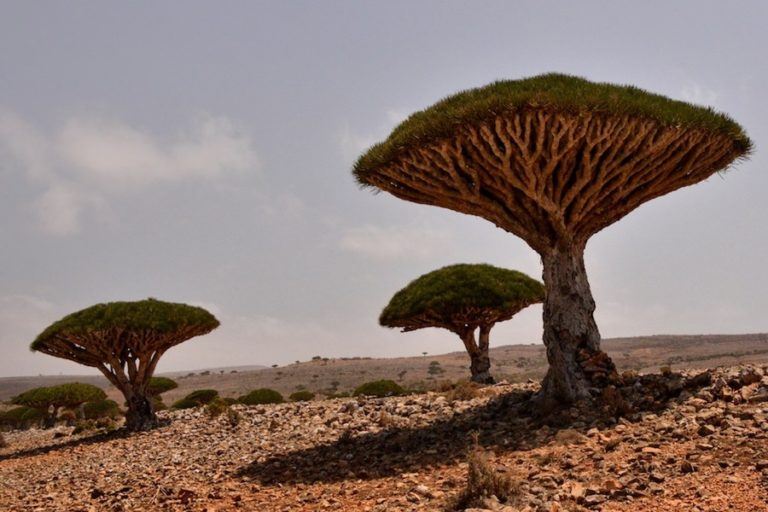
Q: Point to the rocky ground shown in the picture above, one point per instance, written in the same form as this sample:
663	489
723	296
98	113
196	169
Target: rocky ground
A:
684	441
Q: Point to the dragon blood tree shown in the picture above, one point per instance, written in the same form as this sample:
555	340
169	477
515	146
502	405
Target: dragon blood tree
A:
48	400
125	341
554	159
464	298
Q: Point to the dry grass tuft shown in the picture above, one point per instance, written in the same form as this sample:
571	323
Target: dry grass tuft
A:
484	482
463	390
218	406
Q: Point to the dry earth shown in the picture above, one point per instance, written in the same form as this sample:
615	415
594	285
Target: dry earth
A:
694	441
515	363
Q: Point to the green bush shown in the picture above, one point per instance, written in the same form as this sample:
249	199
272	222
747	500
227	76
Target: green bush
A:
216	407
21	417
196	398
202	396
261	396
223	406
184	404
342	394
302	396
101	409
107	424
379	388
84	426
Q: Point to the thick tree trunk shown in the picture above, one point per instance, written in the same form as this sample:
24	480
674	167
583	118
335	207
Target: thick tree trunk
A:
480	363
576	363
49	418
140	414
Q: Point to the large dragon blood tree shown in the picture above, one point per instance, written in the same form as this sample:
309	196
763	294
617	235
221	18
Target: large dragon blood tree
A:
554	159
464	299
125	341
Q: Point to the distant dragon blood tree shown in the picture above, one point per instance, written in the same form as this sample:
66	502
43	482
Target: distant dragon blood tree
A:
125	341
48	400
464	299
159	385
554	159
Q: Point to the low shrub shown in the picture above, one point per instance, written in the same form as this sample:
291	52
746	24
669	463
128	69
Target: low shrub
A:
221	406
379	388
101	409
302	396
462	390
3	443
216	407
183	403
435	368
233	417
84	426
196	398
21	418
202	396
483	482
261	396
342	394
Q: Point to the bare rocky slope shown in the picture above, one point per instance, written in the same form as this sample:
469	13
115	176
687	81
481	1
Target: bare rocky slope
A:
693	440
515	363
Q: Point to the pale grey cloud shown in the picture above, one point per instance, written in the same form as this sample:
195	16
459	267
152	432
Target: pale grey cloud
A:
396	242
352	142
59	207
22	146
90	159
113	154
22	317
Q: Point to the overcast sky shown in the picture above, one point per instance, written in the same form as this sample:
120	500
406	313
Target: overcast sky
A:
201	152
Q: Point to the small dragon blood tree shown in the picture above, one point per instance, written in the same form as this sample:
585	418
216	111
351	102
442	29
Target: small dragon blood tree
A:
464	298
125	341
48	400
554	159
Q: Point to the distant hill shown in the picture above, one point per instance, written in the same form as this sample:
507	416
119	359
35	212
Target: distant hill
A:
511	362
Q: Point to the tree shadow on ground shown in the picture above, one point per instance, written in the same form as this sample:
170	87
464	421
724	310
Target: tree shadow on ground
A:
95	438
508	422
72	443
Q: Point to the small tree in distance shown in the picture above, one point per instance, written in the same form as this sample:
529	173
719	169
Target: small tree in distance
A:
464	298
157	386
48	400
125	341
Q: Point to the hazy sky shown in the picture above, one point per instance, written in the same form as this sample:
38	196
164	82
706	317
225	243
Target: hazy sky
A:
201	152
